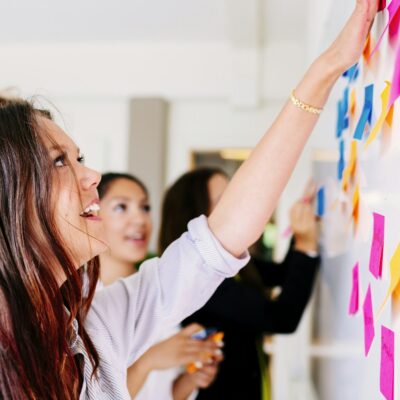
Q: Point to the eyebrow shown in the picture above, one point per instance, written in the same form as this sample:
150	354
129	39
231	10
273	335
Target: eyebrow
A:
124	198
63	148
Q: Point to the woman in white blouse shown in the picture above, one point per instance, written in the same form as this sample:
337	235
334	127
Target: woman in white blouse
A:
57	344
156	374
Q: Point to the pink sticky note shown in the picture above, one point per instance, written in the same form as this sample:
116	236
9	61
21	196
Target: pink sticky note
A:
369	330
387	363
395	89
353	306
392	25
378	239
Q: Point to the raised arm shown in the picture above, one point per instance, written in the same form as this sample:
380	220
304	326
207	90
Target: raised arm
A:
240	216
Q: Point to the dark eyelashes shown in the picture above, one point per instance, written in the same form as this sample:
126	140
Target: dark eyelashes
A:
60	161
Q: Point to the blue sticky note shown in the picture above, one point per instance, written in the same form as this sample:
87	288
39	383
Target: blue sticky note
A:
366	115
346	100
321	202
341	162
342	114
345	108
339	123
352	73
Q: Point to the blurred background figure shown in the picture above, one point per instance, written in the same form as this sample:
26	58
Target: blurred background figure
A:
158	373
244	307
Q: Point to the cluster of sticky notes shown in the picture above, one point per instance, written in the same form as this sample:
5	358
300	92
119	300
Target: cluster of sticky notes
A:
387	343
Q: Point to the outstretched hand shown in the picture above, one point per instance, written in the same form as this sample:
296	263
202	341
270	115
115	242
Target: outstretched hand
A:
349	44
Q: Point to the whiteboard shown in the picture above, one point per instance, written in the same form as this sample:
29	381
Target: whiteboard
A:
345	372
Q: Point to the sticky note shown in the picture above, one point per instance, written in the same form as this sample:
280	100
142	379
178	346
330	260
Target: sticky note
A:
395	89
387	363
356	205
350	170
353	99
341	162
369	330
355	291
339	122
342	114
382	118
367	49
394	275
392	25
366	115
376	254
321	202
352	73
394	17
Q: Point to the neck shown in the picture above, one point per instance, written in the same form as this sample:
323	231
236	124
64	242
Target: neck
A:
112	269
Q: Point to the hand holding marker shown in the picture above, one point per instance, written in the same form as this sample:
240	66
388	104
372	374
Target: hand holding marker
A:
207	334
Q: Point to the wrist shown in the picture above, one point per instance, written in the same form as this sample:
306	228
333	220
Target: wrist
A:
306	246
144	364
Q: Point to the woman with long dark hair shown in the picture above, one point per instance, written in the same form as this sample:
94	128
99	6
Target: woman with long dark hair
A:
56	343
241	307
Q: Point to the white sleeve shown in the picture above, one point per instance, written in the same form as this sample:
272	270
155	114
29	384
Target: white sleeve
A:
132	312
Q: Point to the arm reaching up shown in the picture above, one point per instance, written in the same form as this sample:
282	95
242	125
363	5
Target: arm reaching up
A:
240	216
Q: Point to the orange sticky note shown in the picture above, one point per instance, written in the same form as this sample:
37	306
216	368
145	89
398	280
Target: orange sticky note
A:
367	49
384	113
356	205
353	99
389	117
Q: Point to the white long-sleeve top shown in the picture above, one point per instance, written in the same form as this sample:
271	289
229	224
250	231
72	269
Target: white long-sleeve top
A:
128	316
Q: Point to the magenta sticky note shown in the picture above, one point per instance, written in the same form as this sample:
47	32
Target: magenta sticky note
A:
387	363
395	88
392	25
378	239
369	330
353	306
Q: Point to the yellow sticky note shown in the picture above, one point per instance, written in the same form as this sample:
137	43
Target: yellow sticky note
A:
384	113
394	276
350	170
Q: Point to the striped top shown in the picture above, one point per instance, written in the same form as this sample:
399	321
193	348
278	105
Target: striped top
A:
128	316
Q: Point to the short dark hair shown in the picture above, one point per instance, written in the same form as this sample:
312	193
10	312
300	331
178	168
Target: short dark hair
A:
186	199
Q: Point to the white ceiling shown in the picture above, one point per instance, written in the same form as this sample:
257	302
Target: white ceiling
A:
149	20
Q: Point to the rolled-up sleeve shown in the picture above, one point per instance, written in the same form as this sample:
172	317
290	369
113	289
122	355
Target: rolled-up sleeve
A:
132	312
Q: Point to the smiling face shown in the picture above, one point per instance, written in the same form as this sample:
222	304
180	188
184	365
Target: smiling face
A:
125	211
74	196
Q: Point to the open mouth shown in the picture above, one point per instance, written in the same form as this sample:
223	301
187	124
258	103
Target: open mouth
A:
137	238
91	211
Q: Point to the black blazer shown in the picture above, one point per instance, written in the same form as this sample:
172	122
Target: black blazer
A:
244	313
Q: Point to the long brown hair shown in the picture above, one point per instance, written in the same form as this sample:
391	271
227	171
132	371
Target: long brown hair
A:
186	199
35	328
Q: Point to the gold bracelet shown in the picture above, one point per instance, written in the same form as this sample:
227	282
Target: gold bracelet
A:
306	107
